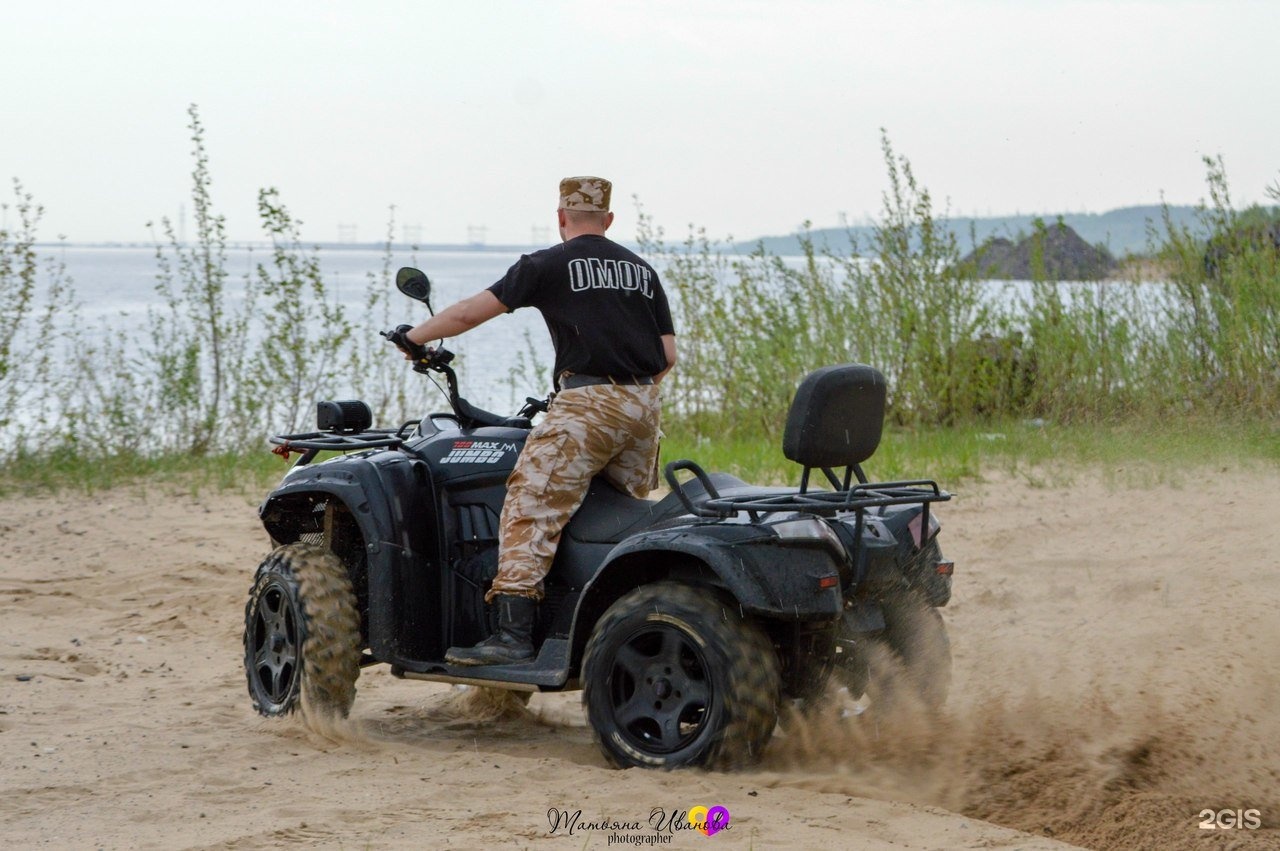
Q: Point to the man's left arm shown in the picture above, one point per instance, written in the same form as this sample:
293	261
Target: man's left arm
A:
668	349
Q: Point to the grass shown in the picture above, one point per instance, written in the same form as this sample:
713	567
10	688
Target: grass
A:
1045	454
1039	452
248	472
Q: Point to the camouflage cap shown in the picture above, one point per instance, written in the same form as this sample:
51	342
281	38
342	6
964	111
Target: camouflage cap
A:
590	194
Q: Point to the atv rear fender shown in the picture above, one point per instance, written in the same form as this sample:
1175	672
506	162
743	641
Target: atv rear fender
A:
770	579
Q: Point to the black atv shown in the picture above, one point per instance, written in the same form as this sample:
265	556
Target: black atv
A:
688	622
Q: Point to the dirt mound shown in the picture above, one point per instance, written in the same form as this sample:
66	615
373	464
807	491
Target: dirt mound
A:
1056	253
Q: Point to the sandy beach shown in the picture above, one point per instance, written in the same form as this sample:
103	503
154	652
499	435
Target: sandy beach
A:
1116	676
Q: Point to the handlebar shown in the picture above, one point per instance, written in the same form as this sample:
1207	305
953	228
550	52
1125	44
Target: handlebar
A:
425	359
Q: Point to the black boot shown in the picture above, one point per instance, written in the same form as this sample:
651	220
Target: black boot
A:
512	642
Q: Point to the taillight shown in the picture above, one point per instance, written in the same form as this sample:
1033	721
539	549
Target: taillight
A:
915	523
946	568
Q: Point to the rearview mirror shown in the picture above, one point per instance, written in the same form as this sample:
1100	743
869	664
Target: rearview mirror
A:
414	283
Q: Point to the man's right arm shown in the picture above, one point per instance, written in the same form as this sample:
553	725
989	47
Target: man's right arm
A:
457	318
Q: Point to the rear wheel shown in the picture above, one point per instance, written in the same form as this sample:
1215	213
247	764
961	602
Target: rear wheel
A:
910	659
301	633
673	677
917	637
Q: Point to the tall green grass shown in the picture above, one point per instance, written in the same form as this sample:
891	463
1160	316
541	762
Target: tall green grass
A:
1093	353
1224	307
35	336
1081	369
212	366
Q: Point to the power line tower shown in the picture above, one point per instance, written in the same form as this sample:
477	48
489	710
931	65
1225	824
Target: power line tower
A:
476	234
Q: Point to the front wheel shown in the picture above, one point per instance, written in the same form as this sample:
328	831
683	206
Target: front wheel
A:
674	677
301	633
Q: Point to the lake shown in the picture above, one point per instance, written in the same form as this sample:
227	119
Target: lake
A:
116	286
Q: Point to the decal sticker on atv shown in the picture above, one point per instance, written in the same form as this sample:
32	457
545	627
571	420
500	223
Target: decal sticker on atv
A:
477	452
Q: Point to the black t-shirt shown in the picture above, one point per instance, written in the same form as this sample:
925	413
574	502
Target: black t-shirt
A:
603	305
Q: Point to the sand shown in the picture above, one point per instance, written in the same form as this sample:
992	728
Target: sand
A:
1116	674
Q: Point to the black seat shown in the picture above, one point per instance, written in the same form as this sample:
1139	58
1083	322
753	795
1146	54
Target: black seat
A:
607	515
836	418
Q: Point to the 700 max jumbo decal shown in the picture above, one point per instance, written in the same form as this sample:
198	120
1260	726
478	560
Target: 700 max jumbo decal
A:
477	452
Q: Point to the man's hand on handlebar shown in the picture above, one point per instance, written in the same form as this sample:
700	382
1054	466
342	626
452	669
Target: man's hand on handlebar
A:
412	351
424	358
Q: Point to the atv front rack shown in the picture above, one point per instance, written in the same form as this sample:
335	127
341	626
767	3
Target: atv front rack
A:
848	498
314	442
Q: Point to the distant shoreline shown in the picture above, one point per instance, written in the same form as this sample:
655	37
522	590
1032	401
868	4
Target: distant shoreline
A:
254	245
1123	230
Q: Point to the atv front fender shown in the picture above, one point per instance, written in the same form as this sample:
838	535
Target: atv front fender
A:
389	496
373	490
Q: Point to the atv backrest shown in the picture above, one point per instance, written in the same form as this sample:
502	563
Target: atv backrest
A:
836	417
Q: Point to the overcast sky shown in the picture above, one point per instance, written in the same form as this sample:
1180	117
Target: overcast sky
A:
742	117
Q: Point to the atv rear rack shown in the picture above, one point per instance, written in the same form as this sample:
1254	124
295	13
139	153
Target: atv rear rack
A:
847	498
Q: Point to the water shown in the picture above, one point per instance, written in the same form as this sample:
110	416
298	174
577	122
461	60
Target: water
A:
111	280
116	286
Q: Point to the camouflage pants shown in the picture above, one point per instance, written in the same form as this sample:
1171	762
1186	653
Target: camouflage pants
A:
607	428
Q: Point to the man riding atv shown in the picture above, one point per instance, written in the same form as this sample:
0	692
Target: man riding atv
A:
614	342
689	623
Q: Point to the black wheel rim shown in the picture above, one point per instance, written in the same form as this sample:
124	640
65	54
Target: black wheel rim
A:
660	689
276	645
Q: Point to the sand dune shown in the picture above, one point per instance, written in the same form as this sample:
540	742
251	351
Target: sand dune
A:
1116	674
